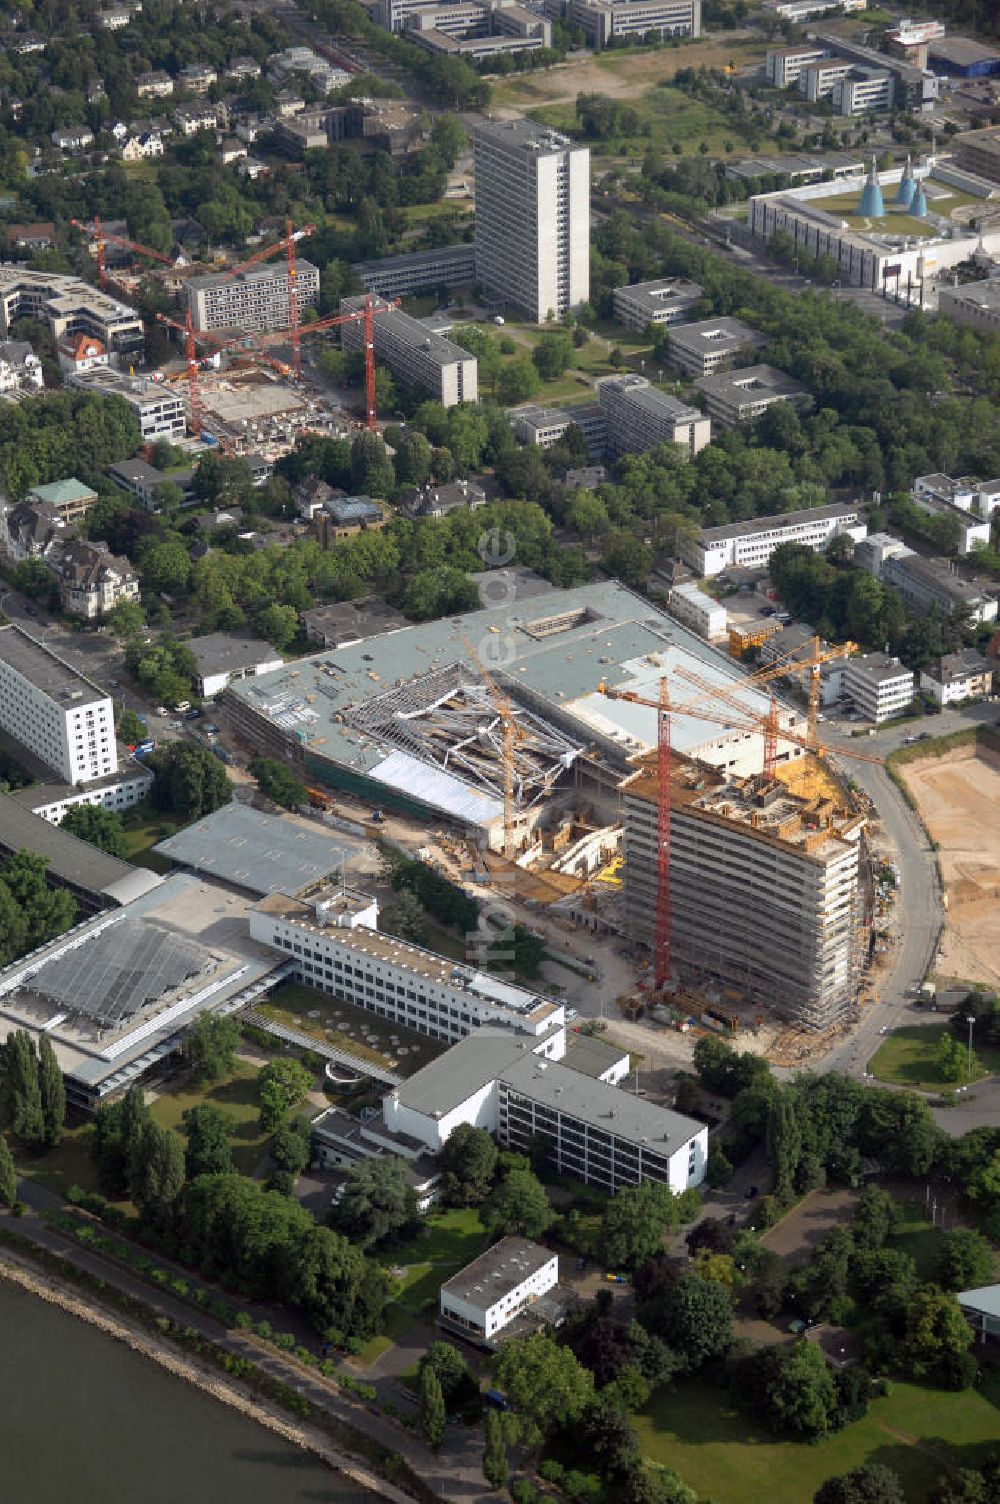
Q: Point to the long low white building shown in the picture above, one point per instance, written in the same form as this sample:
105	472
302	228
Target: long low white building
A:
751	544
488	1294
415	354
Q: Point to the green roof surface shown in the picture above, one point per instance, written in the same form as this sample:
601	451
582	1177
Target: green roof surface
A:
63	491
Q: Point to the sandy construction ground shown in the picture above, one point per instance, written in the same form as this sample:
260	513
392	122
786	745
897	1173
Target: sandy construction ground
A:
959	799
621	75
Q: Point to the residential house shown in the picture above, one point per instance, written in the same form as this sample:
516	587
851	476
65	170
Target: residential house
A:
242	69
252	168
438	501
288	102
141	148
142	481
71	499
154	85
966	675
117	18
20	368
73	138
35	237
82	353
232	150
92	580
192	118
32	530
26	42
197	77
346	515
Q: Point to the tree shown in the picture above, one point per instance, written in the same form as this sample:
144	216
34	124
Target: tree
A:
290	1148
468	1164
453	1372
552	354
635	1220
695	1317
278	782
378	1201
784	1144
875	1216
8	1175
371	469
209	1150
212	1042
518	381
544	1380
280	1084
872	1483
126	619
131	729
278	624
156	1174
22	1098
518	1204
494	1453
795	1390
103	828
936	1332
431	1411
52	1091
117	1126
189	780
404	917
964	1261
719	1170
610	1438
770	1280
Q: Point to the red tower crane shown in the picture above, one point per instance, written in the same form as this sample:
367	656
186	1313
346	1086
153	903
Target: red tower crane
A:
102	237
287	244
366	316
192	339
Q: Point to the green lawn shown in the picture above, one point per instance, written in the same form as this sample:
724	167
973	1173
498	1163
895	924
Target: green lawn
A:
917	1236
236	1097
291	1004
726	1456
908	1057
144	826
69	1163
668	117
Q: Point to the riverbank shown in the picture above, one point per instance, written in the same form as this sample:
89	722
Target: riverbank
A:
18	1271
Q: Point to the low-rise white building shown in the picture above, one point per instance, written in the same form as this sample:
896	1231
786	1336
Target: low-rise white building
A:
487	1295
751	544
707	617
736	397
955	677
118	791
711	345
670	300
20	368
878	686
224	657
970	503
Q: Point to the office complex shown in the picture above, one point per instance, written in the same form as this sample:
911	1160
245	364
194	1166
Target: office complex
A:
640	417
532	217
546	426
751	544
668	301
766	889
784	65
419	271
417	357
484	30
711	345
491	1292
605	22
159	408
69	306
969	503
254	299
53	710
927	584
878	686
735	397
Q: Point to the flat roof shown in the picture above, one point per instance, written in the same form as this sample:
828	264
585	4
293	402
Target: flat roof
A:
985	1298
450	1079
498	1271
640	393
962	51
258	852
218	652
71	860
273	273
781	519
524	135
35	661
733	386
558	1086
413	333
67	490
664	291
592	1057
726	334
984	294
878	667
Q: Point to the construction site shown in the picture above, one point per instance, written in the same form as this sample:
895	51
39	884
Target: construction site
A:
609	773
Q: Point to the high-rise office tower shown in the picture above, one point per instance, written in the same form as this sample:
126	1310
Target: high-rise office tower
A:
532	217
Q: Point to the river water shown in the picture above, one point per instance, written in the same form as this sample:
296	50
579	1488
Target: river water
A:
84	1420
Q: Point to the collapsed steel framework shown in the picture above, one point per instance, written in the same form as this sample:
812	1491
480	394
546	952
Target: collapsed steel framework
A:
448	718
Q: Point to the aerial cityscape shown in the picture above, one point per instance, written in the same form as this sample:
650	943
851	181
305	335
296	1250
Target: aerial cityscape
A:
500	751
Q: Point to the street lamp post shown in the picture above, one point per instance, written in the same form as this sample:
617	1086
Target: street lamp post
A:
971	1021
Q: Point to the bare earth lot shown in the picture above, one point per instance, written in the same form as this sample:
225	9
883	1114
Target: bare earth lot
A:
959	799
621	75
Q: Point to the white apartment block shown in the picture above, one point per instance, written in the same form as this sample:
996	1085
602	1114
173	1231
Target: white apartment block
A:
154	85
818	80
668	301
765	888
741	396
118	791
603	21
711	345
751	544
970	502
784	65
863	90
879	687
69	307
417	356
489	1293
532	217
694	609
254	299
546	426
159	409
53	711
640	417
965	675
804	10
398	276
